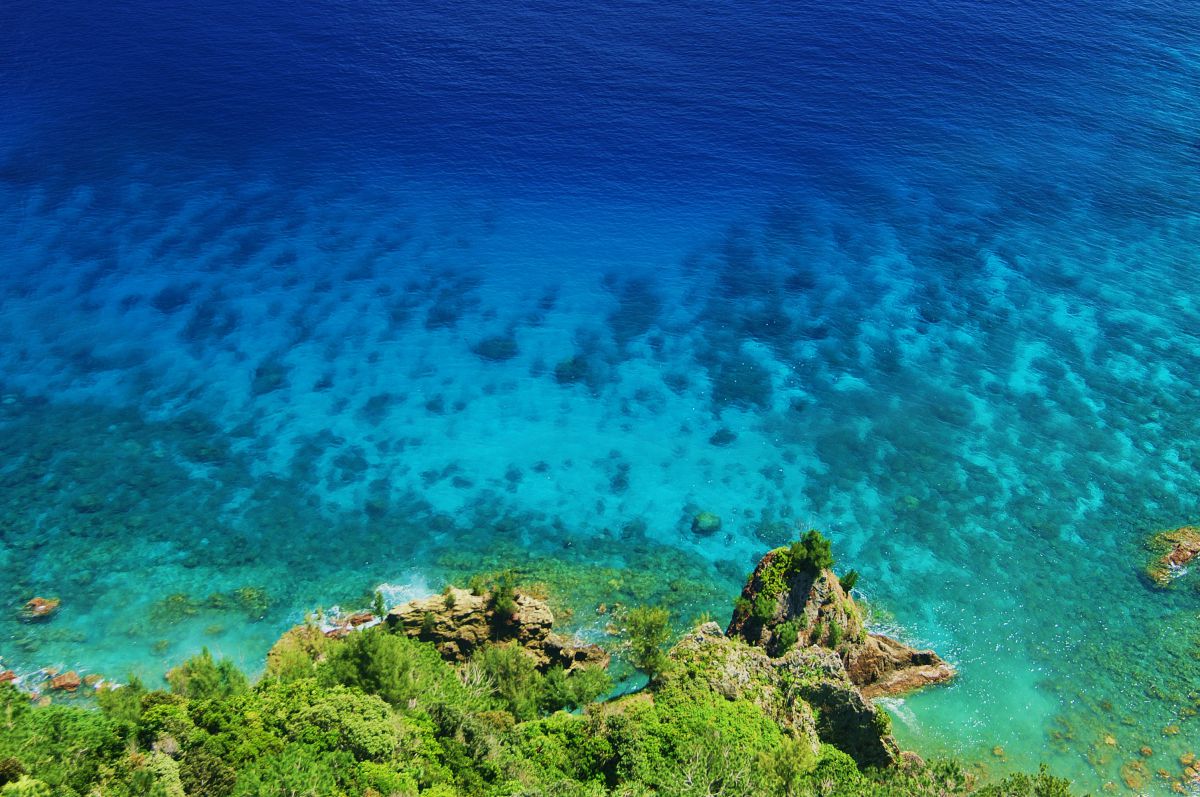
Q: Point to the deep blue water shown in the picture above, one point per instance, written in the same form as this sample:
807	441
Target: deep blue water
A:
315	297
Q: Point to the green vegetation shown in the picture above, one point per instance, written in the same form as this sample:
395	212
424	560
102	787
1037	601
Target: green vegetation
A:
504	597
835	633
813	551
849	580
764	605
377	714
201	678
648	628
787	634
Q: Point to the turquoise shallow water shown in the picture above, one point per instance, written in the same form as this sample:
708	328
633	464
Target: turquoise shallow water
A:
391	297
989	457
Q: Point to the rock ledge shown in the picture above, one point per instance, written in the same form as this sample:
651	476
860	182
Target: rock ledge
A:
458	622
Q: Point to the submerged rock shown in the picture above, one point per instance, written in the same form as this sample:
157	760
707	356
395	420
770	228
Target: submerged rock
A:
39	609
459	621
1173	550
793	598
497	348
706	523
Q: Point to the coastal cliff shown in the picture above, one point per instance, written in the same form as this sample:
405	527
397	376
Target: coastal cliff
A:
474	693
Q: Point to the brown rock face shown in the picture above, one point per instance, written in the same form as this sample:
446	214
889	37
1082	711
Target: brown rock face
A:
68	681
811	605
882	666
38	609
1174	549
459	622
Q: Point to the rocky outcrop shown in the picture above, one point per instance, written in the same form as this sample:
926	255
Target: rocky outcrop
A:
458	622
883	666
806	691
39	609
67	682
788	602
779	600
1173	550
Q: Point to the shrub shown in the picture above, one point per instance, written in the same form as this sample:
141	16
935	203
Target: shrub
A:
296	653
563	747
765	605
65	747
202	773
165	719
1043	784
812	551
835	633
392	666
698	743
11	769
574	690
649	629
849	580
782	769
504	596
26	787
123	704
513	672
333	718
786	635
200	678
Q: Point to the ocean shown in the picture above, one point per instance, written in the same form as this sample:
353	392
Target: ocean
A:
301	301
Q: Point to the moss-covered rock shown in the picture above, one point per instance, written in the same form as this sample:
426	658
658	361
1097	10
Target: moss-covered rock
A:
705	523
806	691
793	597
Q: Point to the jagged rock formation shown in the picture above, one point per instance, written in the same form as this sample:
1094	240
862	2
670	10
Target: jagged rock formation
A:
789	601
788	688
458	622
883	666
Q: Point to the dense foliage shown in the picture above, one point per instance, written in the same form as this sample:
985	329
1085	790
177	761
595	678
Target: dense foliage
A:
380	714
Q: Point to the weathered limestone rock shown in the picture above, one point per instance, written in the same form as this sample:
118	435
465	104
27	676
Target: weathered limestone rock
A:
883	666
1173	550
784	605
458	622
